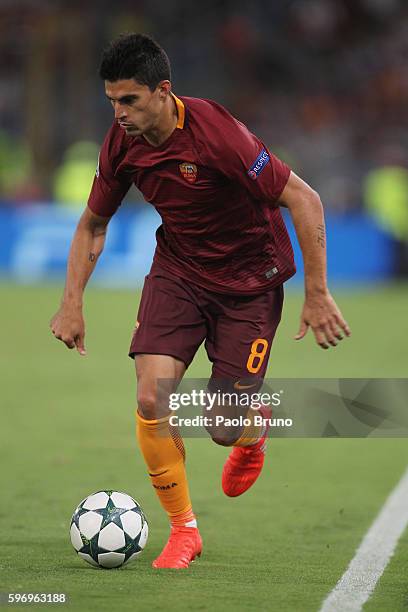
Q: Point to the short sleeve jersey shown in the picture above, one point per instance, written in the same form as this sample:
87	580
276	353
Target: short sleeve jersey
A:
216	187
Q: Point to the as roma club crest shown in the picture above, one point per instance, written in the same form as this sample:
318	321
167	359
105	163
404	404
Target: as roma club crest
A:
188	172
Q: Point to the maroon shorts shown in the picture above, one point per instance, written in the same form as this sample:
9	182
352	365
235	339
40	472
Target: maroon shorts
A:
176	316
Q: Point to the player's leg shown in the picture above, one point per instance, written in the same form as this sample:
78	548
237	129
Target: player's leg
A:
240	348
169	332
161	445
163	451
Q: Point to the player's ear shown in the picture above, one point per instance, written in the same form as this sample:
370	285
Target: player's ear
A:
164	88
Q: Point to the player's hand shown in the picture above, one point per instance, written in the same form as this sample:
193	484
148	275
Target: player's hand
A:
68	326
321	313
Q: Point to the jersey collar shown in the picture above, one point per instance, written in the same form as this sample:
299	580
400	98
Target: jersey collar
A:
181	112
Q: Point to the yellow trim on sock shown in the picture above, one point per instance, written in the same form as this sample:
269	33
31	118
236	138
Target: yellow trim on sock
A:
251	433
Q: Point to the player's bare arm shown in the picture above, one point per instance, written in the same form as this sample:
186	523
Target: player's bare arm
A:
320	311
68	323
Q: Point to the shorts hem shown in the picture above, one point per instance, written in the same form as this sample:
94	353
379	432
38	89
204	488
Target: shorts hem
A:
132	354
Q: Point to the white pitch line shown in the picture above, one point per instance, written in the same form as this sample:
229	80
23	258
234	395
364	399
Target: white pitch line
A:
372	556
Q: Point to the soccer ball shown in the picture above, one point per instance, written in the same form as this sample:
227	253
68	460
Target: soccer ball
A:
109	529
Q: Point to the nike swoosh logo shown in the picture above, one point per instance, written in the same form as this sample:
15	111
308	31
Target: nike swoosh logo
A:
158	474
240	387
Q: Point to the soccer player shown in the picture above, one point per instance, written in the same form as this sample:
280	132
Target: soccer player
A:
222	256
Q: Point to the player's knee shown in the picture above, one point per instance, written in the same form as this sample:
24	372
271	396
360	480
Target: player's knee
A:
147	404
226	440
223	436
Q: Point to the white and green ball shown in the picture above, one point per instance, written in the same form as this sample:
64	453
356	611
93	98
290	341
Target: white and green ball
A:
109	529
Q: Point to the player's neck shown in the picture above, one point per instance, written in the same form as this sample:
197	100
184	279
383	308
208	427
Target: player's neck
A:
166	125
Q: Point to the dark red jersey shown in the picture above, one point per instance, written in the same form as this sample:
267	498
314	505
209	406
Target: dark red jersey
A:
216	187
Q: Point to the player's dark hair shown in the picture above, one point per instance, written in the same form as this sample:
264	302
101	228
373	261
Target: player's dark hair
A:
135	56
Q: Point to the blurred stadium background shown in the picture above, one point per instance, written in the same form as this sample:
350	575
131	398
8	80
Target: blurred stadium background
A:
322	82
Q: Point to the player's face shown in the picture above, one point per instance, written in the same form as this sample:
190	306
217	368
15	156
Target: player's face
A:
137	108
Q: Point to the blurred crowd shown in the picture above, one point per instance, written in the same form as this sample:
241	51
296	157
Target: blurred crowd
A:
324	83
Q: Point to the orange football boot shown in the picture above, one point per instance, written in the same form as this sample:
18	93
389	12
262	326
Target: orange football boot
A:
183	546
245	463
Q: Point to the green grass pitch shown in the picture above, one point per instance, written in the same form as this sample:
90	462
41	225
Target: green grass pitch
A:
67	430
